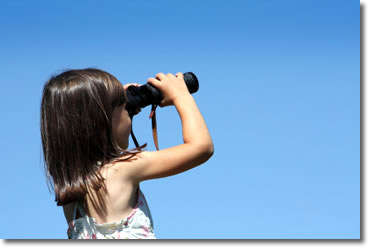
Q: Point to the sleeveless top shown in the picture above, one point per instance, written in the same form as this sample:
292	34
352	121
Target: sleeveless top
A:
137	225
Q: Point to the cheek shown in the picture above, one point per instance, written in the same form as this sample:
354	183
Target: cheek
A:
127	122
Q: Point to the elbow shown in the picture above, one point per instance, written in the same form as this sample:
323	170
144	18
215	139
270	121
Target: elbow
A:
211	150
202	154
203	151
208	150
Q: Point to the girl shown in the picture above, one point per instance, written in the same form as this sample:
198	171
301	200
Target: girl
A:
85	134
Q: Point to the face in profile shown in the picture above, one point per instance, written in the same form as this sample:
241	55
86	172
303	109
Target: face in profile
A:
121	126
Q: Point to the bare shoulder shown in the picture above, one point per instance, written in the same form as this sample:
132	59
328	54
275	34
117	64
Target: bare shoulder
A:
123	170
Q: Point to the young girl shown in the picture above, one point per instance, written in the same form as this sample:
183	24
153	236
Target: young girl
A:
85	134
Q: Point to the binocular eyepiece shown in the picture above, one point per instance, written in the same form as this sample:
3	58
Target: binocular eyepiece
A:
140	97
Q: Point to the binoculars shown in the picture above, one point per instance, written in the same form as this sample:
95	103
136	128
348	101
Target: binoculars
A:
140	97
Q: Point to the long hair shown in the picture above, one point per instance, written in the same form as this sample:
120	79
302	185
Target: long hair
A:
76	131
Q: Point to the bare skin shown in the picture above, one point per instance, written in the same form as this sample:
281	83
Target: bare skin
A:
123	178
121	196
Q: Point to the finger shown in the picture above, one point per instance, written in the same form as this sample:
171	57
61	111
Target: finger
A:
154	82
130	84
180	75
170	75
160	76
162	104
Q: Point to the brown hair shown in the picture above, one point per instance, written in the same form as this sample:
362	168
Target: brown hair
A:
76	130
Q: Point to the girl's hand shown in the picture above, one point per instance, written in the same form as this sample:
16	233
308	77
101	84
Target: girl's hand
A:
171	87
131	84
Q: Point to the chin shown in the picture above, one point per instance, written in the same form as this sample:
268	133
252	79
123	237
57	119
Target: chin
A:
124	146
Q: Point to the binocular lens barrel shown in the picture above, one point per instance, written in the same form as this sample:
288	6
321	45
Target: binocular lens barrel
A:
140	97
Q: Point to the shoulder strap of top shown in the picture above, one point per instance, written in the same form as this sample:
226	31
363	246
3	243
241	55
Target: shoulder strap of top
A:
81	211
75	210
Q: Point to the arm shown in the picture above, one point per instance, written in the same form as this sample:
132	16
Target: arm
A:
197	147
196	150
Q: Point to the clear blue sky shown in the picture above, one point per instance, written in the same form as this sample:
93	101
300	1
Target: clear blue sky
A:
279	91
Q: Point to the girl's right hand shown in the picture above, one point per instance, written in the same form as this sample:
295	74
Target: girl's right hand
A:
171	87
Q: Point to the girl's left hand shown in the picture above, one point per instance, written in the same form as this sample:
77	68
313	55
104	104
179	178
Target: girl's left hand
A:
131	84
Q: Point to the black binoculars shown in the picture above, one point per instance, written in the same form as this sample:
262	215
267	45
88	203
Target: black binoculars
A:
140	97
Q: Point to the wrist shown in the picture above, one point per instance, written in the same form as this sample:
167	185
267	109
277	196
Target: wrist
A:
181	97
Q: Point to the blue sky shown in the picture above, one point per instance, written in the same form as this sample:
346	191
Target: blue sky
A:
279	91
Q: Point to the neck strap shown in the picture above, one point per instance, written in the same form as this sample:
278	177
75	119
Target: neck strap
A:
154	127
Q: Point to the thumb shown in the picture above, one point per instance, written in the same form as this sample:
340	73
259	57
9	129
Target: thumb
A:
163	103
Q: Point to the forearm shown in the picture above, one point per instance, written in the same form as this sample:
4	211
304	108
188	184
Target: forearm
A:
194	127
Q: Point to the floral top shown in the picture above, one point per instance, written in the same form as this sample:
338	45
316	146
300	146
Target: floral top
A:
138	224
